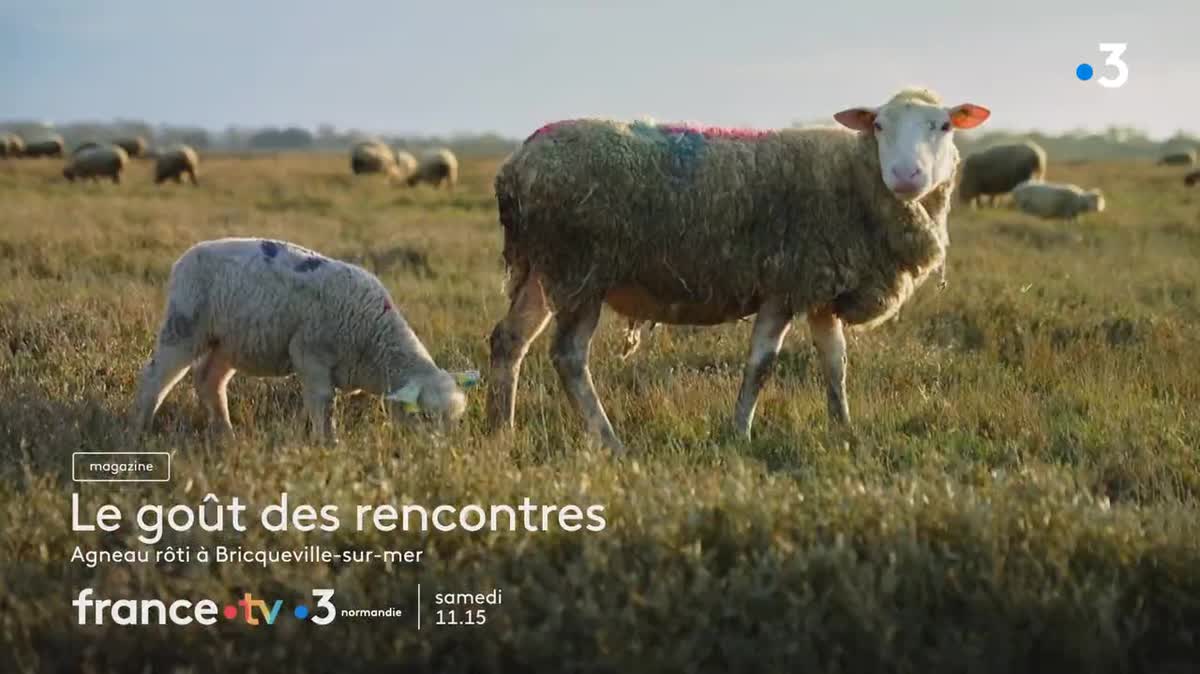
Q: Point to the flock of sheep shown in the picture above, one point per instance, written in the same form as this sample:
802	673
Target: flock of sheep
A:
95	160
675	224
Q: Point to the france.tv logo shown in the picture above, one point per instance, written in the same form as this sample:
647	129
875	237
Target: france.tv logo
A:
248	609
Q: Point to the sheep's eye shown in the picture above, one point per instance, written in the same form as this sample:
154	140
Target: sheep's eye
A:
878	126
945	126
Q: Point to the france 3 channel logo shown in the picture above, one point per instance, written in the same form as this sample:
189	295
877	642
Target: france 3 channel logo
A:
248	609
1120	69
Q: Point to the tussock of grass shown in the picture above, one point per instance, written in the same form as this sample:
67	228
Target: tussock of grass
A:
1020	494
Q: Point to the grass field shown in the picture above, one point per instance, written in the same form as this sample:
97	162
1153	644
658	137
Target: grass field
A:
1022	492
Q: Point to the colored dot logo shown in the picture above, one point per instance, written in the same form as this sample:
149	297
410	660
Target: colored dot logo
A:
1084	72
301	612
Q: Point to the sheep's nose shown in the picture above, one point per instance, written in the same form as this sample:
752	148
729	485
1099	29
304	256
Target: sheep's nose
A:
907	180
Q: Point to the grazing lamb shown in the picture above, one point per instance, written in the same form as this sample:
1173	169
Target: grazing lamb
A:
999	169
46	147
1053	200
172	163
372	157
1186	158
436	167
11	145
101	161
701	226
271	308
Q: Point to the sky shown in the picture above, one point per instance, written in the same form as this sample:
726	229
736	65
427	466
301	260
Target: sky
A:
508	66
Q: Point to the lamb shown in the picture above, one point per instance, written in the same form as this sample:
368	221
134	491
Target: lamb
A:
272	308
135	146
1186	158
97	162
173	162
999	169
436	167
372	157
702	226
1191	178
11	145
1054	200
46	147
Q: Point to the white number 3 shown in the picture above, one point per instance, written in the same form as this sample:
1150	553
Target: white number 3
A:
1114	51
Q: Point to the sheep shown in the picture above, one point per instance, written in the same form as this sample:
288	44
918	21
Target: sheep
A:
86	145
703	226
272	308
46	147
436	167
173	162
406	164
372	157
999	169
97	162
1185	158
11	145
135	146
1053	200
1191	178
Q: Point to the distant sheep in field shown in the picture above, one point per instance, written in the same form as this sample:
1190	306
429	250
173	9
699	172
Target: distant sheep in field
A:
1053	200
1191	178
45	147
437	167
406	164
173	162
86	145
700	226
999	169
1186	158
102	161
272	308
135	146
372	157
11	146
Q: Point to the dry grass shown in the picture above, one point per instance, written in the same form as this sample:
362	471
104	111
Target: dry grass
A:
1022	493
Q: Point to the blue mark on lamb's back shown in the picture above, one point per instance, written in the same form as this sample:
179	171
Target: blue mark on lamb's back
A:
269	248
309	263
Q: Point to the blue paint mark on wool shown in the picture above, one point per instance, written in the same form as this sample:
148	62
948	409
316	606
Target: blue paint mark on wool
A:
309	263
269	248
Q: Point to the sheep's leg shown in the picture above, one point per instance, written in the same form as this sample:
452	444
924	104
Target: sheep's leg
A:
830	341
527	316
166	367
192	177
212	373
770	327
572	344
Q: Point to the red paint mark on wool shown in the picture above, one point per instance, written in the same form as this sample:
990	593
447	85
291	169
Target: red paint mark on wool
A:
387	306
546	128
734	133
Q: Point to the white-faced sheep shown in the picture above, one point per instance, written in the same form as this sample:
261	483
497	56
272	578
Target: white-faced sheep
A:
272	308
437	167
997	170
173	162
101	161
1054	200
701	226
372	157
1185	158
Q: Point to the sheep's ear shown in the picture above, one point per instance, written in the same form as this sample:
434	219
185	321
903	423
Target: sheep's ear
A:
406	395
968	115
466	379
859	119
